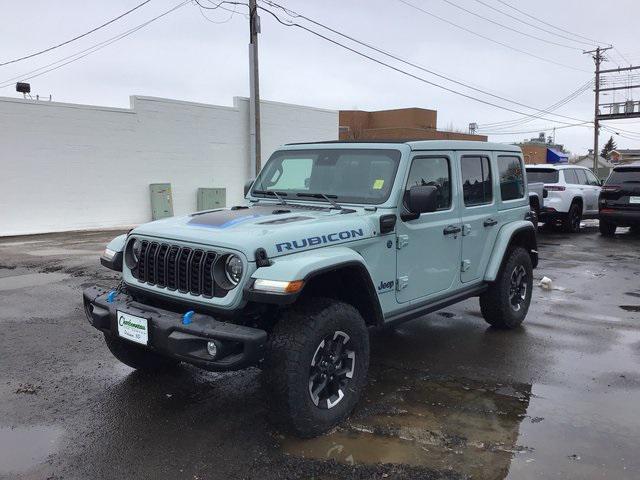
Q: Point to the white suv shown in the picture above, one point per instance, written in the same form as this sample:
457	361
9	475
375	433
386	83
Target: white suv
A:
573	193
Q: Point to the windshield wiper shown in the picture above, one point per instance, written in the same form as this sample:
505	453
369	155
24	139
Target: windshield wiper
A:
328	198
278	195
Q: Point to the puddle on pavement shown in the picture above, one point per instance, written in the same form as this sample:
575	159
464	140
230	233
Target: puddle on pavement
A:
441	424
22	448
15	282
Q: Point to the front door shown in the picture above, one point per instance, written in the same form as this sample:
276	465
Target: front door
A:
479	214
428	258
591	189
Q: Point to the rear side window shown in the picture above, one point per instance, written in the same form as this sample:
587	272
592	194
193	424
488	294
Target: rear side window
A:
623	175
432	171
570	176
544	175
476	180
511	177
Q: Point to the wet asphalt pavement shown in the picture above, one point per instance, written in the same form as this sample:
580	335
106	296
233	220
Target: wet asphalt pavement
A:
448	397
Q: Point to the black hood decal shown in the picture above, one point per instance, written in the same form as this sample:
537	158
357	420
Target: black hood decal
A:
221	219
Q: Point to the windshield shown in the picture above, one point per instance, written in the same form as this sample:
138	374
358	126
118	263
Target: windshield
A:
346	175
623	175
544	175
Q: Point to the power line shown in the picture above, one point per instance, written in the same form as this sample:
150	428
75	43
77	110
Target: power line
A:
594	42
31	55
392	67
471	12
87	51
506	45
552	32
294	14
529	118
537	130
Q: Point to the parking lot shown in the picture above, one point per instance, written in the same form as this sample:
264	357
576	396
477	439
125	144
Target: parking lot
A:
448	397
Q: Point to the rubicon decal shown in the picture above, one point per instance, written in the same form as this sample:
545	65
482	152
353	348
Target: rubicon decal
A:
320	240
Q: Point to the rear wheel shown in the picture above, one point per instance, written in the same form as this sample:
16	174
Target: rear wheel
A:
571	222
138	357
506	302
607	228
316	365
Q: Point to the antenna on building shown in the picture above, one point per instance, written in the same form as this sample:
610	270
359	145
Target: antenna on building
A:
473	128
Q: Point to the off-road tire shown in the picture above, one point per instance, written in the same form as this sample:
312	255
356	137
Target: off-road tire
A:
607	228
292	346
138	357
571	221
495	303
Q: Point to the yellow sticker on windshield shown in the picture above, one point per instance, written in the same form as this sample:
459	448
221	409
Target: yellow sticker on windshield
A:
378	184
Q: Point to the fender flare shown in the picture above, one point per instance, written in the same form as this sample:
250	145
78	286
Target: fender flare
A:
523	229
307	265
116	245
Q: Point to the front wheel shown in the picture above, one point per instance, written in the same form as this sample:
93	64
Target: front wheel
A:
316	365
506	302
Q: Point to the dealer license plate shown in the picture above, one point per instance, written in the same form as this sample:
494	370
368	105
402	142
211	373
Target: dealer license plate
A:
133	328
634	199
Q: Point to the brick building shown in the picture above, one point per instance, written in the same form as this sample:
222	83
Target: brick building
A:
398	124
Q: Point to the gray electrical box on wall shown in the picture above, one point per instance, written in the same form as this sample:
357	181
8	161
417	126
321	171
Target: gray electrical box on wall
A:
161	200
210	198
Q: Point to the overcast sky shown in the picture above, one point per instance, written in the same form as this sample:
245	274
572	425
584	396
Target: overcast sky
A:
185	56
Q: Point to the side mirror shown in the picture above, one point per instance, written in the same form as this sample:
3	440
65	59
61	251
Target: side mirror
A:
247	186
421	199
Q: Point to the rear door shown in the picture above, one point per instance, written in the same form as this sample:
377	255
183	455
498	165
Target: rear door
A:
479	213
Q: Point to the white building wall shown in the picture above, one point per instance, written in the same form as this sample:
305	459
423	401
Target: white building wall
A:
71	167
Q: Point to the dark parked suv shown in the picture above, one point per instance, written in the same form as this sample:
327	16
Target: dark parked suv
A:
620	200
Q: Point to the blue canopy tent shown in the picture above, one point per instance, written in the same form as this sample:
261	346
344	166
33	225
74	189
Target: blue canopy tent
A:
556	156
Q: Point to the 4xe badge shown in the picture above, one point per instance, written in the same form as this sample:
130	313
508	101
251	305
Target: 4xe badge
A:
386	286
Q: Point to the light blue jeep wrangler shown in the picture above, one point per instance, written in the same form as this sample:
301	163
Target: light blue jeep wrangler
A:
337	238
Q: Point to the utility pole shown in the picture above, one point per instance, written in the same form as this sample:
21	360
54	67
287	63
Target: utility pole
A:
597	58
254	86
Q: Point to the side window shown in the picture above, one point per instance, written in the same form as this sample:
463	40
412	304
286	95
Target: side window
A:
591	178
476	180
582	176
432	171
570	176
511	177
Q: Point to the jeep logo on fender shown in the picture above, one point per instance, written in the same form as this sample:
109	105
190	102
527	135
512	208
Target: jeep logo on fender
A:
313	241
386	286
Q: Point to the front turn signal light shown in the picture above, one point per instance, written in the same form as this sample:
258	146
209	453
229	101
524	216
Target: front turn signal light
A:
278	286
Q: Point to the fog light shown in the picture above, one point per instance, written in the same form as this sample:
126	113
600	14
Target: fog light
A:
212	348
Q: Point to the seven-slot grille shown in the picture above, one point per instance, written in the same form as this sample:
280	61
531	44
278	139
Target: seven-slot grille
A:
188	270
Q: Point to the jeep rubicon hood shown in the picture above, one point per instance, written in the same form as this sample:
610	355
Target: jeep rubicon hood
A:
279	229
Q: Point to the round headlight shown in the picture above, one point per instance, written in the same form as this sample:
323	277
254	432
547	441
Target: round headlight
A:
233	269
136	248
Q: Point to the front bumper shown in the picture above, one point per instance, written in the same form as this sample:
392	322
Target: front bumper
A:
240	346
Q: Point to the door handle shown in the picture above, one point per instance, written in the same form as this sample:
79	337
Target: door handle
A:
451	230
490	222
